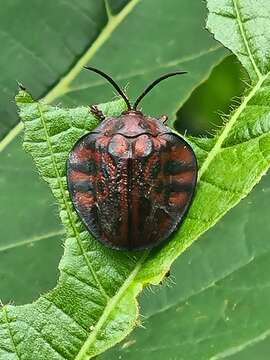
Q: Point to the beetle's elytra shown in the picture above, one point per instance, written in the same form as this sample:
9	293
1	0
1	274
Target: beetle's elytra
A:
131	179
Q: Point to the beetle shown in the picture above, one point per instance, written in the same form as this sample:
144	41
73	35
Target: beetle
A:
131	179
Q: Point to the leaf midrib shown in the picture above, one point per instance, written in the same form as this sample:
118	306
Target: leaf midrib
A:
179	302
128	282
244	37
63	85
67	206
211	155
57	91
113	22
5	312
82	355
229	125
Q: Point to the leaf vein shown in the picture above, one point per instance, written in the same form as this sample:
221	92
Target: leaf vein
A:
81	281
223	135
79	11
144	71
51	303
109	308
32	240
67	206
29	51
41	336
10	332
244	37
222	188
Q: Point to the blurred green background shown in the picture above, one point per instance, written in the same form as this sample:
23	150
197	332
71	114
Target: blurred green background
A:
203	111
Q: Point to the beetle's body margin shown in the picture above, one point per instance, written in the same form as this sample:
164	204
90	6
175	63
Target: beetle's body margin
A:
131	181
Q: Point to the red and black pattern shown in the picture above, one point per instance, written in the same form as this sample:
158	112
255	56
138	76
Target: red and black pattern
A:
131	181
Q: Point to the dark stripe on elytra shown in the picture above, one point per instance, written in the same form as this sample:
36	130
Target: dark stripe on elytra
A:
82	186
105	170
177	186
145	211
90	142
129	189
144	203
100	186
155	169
173	167
159	186
113	200
87	167
93	217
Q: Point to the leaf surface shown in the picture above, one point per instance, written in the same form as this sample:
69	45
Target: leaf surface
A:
47	52
25	196
215	302
29	245
39	50
94	304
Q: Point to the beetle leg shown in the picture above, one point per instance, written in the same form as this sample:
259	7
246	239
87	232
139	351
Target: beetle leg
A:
21	87
163	118
94	110
166	276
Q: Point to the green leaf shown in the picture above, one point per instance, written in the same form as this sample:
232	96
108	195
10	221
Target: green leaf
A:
243	26
70	34
94	305
199	113
217	306
93	43
25	236
38	50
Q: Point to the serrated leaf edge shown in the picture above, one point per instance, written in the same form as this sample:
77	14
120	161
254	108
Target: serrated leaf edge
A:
67	205
110	306
229	125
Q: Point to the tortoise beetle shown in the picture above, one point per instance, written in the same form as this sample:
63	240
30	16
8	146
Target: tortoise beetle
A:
131	179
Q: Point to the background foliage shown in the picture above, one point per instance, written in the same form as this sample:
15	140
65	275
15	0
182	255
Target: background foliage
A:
31	197
222	273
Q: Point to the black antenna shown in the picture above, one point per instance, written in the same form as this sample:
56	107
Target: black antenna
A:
154	83
117	87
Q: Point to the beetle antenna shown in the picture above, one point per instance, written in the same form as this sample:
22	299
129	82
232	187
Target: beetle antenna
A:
117	87
154	83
